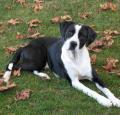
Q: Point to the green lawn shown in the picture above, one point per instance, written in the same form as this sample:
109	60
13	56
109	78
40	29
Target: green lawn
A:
57	97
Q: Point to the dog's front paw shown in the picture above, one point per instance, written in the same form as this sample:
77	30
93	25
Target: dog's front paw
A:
115	101
105	102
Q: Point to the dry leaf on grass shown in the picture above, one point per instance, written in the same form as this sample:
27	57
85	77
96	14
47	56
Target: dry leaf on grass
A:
29	36
34	36
19	36
59	19
93	58
14	21
22	2
38	5
111	32
1	73
111	64
17	72
1	81
96	46
115	71
108	6
9	86
85	15
34	23
106	42
23	95
10	50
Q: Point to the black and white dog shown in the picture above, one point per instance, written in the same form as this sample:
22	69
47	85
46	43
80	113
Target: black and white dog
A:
67	57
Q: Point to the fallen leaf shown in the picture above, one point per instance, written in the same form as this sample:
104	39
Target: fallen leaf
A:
34	36
96	46
22	2
110	64
59	19
34	23
1	73
14	21
111	32
38	5
10	50
115	71
104	42
108	6
1	81
9	86
17	72
85	15
23	95
19	36
93	58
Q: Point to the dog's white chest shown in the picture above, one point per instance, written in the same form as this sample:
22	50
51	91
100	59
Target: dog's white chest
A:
77	63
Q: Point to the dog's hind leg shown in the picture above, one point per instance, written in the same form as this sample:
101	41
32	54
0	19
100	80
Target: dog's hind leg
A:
41	74
11	65
100	85
29	66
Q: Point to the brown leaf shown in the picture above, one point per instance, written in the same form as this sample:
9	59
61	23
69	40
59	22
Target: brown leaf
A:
93	58
17	72
10	50
34	36
96	46
19	36
34	23
108	6
116	71
38	5
23	95
85	15
110	64
1	73
108	41
59	19
22	2
14	21
111	32
1	82
10	85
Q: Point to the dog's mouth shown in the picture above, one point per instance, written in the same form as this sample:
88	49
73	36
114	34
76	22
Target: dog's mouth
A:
74	53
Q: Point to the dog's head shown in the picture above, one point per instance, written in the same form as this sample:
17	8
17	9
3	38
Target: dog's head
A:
76	36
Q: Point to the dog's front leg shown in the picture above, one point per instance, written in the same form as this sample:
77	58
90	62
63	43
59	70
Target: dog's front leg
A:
100	99
100	85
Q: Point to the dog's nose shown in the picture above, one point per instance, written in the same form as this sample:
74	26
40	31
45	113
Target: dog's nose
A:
73	45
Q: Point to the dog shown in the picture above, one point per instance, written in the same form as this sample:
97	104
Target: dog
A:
67	57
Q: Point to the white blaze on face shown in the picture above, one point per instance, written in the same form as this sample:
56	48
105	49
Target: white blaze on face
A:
74	38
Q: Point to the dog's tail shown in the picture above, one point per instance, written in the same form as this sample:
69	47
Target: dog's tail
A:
11	65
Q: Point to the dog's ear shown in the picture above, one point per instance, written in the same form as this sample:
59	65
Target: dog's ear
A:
90	34
63	27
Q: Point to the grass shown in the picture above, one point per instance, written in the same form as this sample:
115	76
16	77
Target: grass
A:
57	97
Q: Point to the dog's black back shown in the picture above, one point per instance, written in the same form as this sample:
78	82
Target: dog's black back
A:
34	55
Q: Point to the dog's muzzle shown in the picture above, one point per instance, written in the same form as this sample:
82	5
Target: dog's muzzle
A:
73	45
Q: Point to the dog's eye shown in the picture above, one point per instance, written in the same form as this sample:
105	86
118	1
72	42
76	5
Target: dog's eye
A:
70	33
